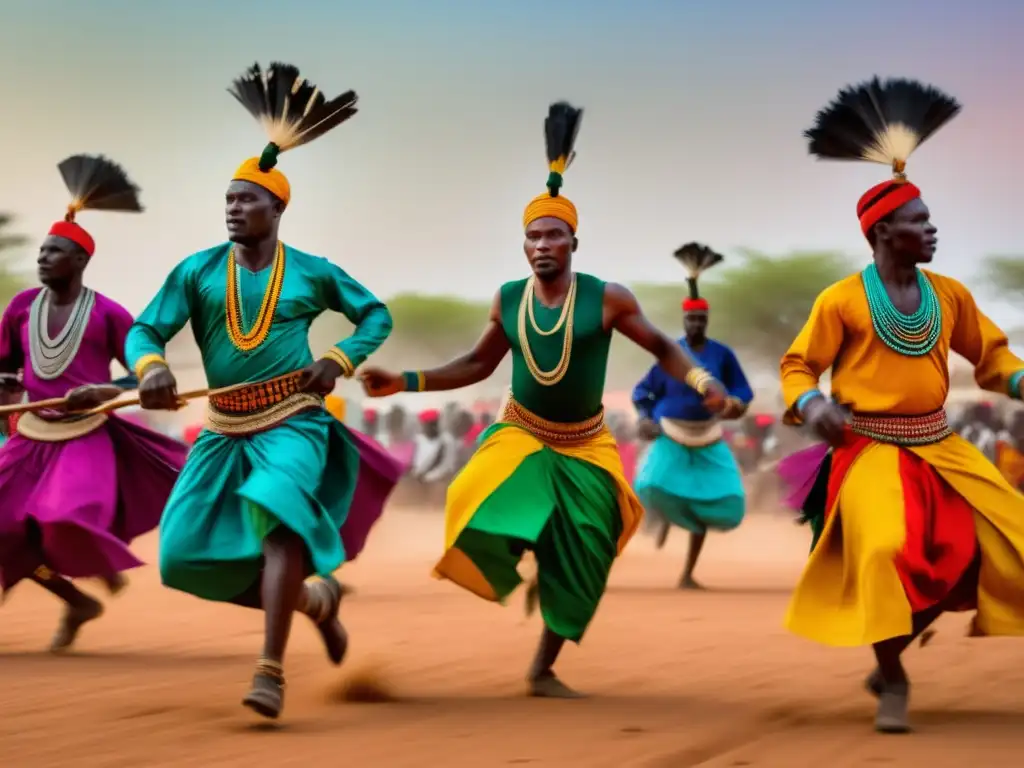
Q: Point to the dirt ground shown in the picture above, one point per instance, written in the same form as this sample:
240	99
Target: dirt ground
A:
677	679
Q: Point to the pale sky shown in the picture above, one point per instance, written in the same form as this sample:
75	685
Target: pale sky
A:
692	130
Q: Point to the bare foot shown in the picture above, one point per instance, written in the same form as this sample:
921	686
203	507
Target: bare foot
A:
74	617
892	709
548	686
688	582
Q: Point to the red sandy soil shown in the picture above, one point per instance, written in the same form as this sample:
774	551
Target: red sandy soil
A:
677	679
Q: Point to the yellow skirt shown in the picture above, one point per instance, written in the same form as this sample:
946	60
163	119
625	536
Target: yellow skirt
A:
508	456
851	593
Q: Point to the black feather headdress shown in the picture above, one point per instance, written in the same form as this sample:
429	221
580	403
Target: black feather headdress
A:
696	259
291	109
560	130
98	184
880	122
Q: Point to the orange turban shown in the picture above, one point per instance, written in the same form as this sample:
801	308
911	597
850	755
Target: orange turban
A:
559	207
273	180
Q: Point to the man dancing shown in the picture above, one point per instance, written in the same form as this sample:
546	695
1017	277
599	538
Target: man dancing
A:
915	520
273	478
547	477
689	476
76	489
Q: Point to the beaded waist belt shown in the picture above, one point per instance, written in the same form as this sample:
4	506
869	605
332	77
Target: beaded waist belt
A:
551	431
57	430
903	430
256	397
258	407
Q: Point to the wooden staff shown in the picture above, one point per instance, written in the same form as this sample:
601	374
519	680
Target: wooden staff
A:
60	403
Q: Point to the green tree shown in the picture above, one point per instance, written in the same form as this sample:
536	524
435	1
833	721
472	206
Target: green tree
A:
1004	276
12	280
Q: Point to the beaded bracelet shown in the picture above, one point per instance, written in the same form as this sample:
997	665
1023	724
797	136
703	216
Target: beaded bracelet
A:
415	381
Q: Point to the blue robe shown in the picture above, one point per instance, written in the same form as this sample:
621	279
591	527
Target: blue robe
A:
698	489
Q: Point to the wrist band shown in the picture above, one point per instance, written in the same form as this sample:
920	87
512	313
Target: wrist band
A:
1014	385
804	399
145	362
343	360
415	381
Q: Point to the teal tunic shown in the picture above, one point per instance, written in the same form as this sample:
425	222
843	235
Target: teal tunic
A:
234	490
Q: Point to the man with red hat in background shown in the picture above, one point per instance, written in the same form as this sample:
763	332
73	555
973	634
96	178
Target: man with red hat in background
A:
436	453
689	476
913	520
77	487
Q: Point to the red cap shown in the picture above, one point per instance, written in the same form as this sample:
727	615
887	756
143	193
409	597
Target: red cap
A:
882	199
71	231
429	415
764	420
695	305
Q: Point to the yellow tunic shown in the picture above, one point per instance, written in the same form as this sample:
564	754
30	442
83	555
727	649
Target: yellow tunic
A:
850	592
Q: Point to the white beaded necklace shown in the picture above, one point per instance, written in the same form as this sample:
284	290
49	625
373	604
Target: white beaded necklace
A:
51	357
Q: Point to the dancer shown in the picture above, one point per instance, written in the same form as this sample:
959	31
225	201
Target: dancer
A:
915	521
274	477
547	476
76	489
689	476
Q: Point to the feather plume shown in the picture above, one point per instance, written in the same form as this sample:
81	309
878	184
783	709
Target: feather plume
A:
880	122
291	109
696	259
98	184
561	127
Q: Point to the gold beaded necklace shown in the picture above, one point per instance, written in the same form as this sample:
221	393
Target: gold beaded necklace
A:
556	374
248	341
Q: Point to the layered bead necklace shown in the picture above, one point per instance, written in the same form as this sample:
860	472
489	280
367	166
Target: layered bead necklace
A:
911	335
247	341
51	357
556	374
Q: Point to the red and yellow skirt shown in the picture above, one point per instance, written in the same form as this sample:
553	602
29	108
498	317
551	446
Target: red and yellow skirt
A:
909	506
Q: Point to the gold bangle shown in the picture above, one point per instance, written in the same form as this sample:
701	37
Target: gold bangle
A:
145	362
698	379
335	354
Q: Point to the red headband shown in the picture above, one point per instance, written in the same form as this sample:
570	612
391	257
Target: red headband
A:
882	199
428	416
695	305
71	231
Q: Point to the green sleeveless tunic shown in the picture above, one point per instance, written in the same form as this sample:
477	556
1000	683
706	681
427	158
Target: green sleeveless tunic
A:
579	394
